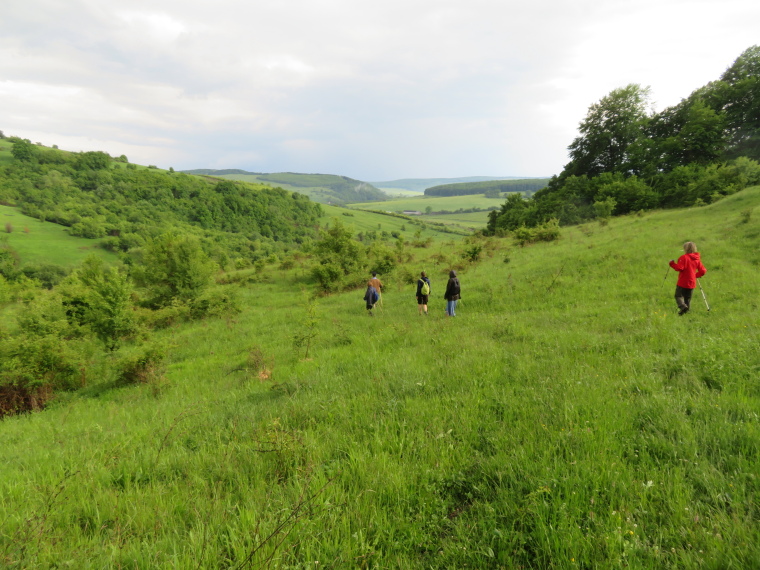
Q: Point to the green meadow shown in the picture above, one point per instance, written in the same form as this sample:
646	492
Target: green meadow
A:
401	192
462	221
361	221
40	242
436	203
565	418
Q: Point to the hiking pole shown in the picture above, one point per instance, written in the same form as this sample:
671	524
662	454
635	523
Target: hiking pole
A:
703	295
666	277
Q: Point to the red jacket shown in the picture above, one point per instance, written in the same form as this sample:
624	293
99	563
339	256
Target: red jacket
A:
690	268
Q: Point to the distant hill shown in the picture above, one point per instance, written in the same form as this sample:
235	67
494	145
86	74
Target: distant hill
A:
324	188
422	184
212	172
526	186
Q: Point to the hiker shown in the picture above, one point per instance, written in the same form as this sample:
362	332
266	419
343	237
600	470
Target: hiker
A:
370	298
452	294
375	282
690	269
423	291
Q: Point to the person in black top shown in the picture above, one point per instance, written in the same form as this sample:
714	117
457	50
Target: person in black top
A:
423	292
452	294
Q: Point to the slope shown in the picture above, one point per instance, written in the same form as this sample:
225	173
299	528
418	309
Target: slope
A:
323	188
565	418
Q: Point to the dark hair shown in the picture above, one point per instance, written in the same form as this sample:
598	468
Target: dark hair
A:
422	274
452	273
374	274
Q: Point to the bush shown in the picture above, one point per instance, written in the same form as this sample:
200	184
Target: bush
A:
88	228
548	231
145	366
214	304
175	267
47	274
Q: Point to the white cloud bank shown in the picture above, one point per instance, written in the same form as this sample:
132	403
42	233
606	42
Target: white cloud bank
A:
374	91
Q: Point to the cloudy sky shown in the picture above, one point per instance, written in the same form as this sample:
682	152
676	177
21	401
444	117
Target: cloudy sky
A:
370	90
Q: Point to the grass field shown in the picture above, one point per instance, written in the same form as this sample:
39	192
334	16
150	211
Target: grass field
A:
566	418
401	193
462	221
437	203
363	221
45	242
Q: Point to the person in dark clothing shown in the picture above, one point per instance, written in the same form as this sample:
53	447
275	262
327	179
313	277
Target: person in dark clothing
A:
423	292
690	268
452	294
370	298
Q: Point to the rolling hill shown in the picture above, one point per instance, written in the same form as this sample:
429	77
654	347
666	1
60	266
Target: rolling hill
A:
323	188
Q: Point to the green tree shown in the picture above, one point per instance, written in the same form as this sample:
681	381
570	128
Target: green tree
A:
108	302
339	256
175	267
739	95
24	150
611	126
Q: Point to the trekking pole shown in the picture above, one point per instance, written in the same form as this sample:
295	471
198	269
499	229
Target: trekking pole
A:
666	277
703	295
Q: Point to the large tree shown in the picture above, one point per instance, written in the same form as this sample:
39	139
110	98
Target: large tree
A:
608	132
740	97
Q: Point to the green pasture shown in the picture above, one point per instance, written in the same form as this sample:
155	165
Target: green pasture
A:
45	242
437	203
400	192
363	221
565	418
472	221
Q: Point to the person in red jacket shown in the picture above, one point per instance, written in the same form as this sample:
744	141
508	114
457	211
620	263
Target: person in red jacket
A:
690	269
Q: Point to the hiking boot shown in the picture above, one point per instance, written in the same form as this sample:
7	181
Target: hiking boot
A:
683	311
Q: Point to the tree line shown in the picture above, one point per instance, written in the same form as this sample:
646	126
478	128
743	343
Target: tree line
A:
627	158
527	186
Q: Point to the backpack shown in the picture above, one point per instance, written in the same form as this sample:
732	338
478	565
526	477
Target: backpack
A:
425	289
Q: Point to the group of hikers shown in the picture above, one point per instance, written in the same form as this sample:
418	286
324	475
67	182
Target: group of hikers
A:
689	267
373	294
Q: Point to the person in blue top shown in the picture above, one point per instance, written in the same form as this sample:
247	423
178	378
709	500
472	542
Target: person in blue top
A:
423	292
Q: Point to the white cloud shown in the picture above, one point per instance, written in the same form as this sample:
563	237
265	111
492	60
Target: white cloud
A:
392	89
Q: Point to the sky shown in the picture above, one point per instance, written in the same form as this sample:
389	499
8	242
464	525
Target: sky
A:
370	90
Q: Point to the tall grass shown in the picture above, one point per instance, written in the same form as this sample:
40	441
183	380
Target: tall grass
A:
566	418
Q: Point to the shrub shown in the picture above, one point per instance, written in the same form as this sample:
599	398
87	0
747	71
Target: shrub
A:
214	304
47	274
144	366
175	267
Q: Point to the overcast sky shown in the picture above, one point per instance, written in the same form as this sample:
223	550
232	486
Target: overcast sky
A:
370	90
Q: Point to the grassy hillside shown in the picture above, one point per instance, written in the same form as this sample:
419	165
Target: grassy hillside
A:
323	188
44	242
566	418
